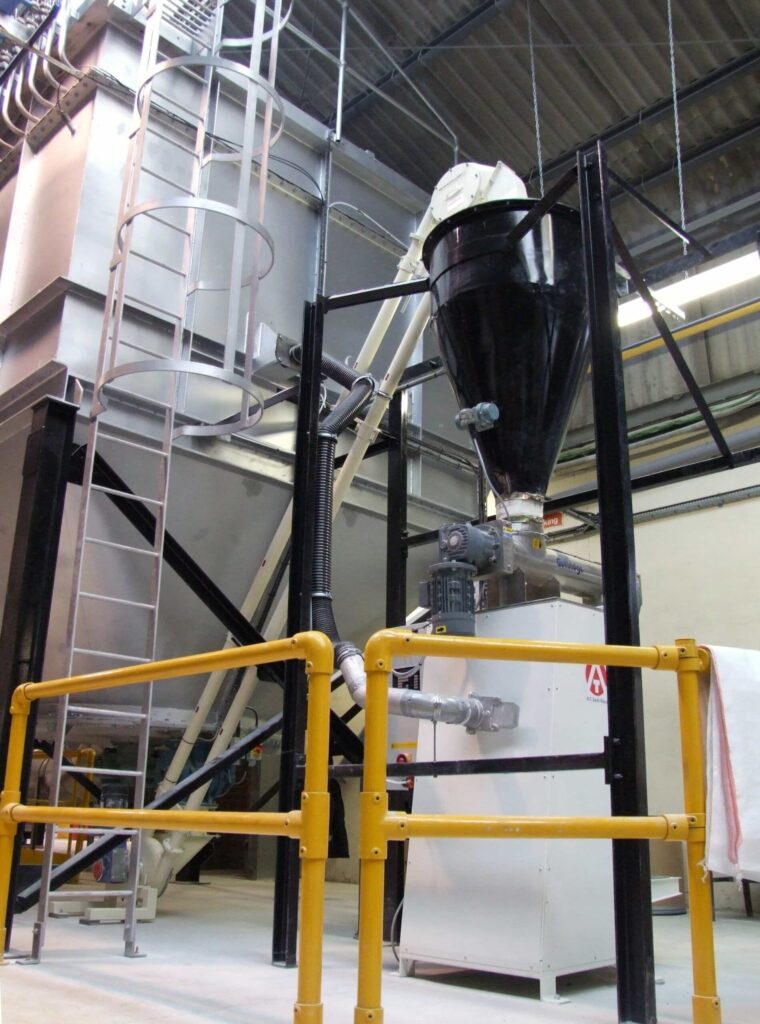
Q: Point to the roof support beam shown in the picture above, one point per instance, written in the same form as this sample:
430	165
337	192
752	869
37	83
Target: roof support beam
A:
706	151
650	115
482	14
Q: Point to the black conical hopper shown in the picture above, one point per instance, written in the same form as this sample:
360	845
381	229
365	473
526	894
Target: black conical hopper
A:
511	322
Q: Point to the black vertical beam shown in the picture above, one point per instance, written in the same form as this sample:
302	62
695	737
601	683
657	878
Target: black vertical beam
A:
633	907
397	555
397	532
483	490
285	923
31	576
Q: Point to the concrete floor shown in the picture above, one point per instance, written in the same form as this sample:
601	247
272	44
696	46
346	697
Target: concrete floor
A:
208	961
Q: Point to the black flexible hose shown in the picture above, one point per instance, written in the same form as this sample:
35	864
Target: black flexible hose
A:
345	411
339	372
323	514
331	367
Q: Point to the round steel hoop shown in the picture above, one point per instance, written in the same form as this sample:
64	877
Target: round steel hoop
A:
235	380
205	206
215	286
218	429
221	64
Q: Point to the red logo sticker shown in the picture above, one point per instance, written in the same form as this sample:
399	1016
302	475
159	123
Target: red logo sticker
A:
596	680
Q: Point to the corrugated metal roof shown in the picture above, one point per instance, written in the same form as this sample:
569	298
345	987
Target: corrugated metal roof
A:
597	62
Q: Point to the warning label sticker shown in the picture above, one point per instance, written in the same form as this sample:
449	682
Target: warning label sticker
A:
596	683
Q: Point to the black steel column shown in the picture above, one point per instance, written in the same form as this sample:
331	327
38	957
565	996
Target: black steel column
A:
396	532
397	555
31	576
633	906
285	924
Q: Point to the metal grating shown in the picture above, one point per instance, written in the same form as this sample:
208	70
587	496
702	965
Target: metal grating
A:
195	19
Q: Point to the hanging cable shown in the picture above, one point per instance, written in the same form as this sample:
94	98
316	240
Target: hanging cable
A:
679	165
376	223
534	86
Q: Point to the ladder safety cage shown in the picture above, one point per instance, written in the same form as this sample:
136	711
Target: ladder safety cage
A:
181	259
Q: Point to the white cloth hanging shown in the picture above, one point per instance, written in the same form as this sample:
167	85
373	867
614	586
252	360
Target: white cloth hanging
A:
733	764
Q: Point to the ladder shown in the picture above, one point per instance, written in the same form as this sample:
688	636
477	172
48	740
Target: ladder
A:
149	351
117	579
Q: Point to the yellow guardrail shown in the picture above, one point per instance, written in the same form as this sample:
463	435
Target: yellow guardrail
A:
309	825
378	826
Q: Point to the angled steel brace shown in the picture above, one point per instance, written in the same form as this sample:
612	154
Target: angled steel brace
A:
683	367
659	215
94	851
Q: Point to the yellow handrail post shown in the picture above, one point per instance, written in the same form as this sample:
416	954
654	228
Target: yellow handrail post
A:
377	827
705	1001
11	793
315	828
310	825
373	842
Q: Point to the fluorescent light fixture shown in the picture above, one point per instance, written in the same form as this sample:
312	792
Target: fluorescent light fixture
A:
699	286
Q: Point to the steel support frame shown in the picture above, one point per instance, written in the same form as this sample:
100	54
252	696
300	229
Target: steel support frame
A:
627	768
396	528
204	588
285	922
29	593
286	883
625	756
397	555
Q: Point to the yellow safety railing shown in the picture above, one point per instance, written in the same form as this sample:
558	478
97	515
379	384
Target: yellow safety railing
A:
309	825
378	826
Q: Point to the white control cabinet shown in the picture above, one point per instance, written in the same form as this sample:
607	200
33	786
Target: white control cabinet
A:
528	907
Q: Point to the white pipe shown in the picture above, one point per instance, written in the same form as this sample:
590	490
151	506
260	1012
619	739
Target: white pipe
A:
365	431
408	266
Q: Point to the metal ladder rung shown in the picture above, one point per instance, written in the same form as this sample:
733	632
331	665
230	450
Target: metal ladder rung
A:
145	351
166	223
176	103
161	310
168	181
156	263
117	773
81	709
110	654
116	600
172	142
121	547
190	27
126	494
108	438
133	395
88	894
